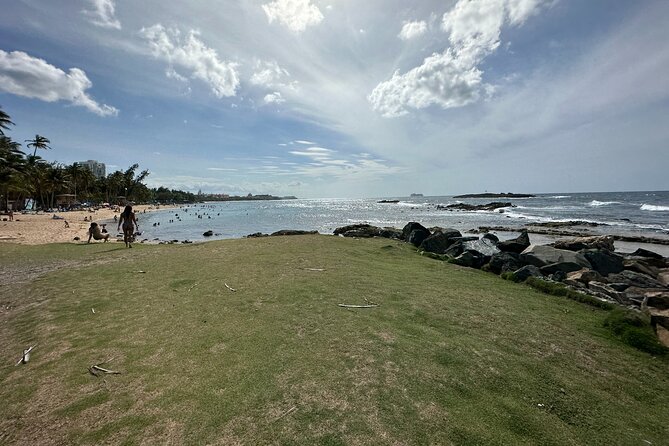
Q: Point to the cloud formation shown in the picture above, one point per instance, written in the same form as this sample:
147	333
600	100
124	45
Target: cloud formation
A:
269	74
452	78
411	30
296	15
274	98
192	54
24	75
103	14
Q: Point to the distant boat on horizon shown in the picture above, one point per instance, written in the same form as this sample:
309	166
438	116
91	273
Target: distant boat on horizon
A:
415	195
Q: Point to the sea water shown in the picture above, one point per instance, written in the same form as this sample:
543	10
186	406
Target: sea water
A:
628	213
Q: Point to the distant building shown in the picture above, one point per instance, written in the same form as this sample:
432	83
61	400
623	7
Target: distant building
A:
98	169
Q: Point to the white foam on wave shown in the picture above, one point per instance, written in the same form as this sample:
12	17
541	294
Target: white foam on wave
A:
654	208
560	196
602	203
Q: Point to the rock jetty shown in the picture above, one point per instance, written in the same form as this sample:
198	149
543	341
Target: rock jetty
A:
589	265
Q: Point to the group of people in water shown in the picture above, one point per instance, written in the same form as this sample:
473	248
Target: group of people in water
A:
127	221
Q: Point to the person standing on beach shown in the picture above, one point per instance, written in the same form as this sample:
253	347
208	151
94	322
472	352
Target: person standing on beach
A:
129	222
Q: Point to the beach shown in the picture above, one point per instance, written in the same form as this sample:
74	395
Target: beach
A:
42	228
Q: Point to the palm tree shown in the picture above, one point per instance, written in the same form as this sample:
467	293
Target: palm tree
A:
40	142
5	122
75	172
12	164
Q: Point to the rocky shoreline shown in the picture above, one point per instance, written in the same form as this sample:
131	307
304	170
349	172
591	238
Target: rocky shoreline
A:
586	264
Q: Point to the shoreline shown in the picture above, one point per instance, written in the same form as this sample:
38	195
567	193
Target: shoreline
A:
42	229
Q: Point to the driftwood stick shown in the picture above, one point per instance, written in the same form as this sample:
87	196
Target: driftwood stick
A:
26	355
314	269
288	412
95	368
194	285
358	306
228	287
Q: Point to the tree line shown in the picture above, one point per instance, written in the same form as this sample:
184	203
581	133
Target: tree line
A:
25	176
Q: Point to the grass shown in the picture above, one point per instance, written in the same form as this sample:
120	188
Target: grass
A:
451	356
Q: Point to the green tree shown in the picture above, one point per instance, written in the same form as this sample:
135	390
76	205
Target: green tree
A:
40	142
5	121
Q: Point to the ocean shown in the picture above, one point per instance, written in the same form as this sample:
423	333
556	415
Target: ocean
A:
625	213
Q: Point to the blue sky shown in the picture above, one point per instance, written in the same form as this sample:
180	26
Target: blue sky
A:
343	98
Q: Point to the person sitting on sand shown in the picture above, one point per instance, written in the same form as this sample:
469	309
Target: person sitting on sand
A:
129	222
94	232
67	225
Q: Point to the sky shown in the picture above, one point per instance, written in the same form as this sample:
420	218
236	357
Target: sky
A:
347	98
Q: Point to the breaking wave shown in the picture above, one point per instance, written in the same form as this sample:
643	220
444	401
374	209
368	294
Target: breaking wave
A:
652	207
602	203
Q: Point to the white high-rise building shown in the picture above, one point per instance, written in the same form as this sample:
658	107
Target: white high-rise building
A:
98	169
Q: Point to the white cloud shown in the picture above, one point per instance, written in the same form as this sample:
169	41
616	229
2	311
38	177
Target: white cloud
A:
296	15
24	75
103	14
172	74
412	29
274	98
301	141
192	54
221	169
269	74
452	78
315	153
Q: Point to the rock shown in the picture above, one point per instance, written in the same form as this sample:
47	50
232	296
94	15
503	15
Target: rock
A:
455	249
76	239
417	236
449	232
437	243
527	271
663	277
257	234
603	261
558	276
367	231
646	253
618	286
484	246
662	335
656	297
574	283
659	317
579	243
208	233
393	233
492	237
585	276
632	278
470	259
539	256
640	267
360	227
476	207
505	262
564	267
412	226
604	289
292	232
517	245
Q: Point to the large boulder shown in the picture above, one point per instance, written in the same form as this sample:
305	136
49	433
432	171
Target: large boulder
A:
455	249
654	297
439	242
539	255
640	266
604	261
562	267
579	243
646	253
585	276
503	262
484	246
517	245
415	233
632	278
663	277
606	291
470	259
492	237
527	271
358	228
292	232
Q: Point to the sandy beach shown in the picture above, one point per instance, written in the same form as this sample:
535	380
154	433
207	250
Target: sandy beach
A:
42	228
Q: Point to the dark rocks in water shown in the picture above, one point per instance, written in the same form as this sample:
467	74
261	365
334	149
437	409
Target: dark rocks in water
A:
292	232
603	261
517	245
539	255
476	207
526	272
562	224
368	231
186	242
492	237
565	267
492	195
208	233
412	225
257	234
388	201
579	243
358	227
505	262
646	253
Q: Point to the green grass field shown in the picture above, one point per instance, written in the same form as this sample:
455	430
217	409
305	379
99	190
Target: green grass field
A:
450	355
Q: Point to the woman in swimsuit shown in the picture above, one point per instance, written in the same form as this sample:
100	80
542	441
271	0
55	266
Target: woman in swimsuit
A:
129	222
95	232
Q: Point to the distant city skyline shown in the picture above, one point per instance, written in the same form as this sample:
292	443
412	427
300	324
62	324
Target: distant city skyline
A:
98	169
324	98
